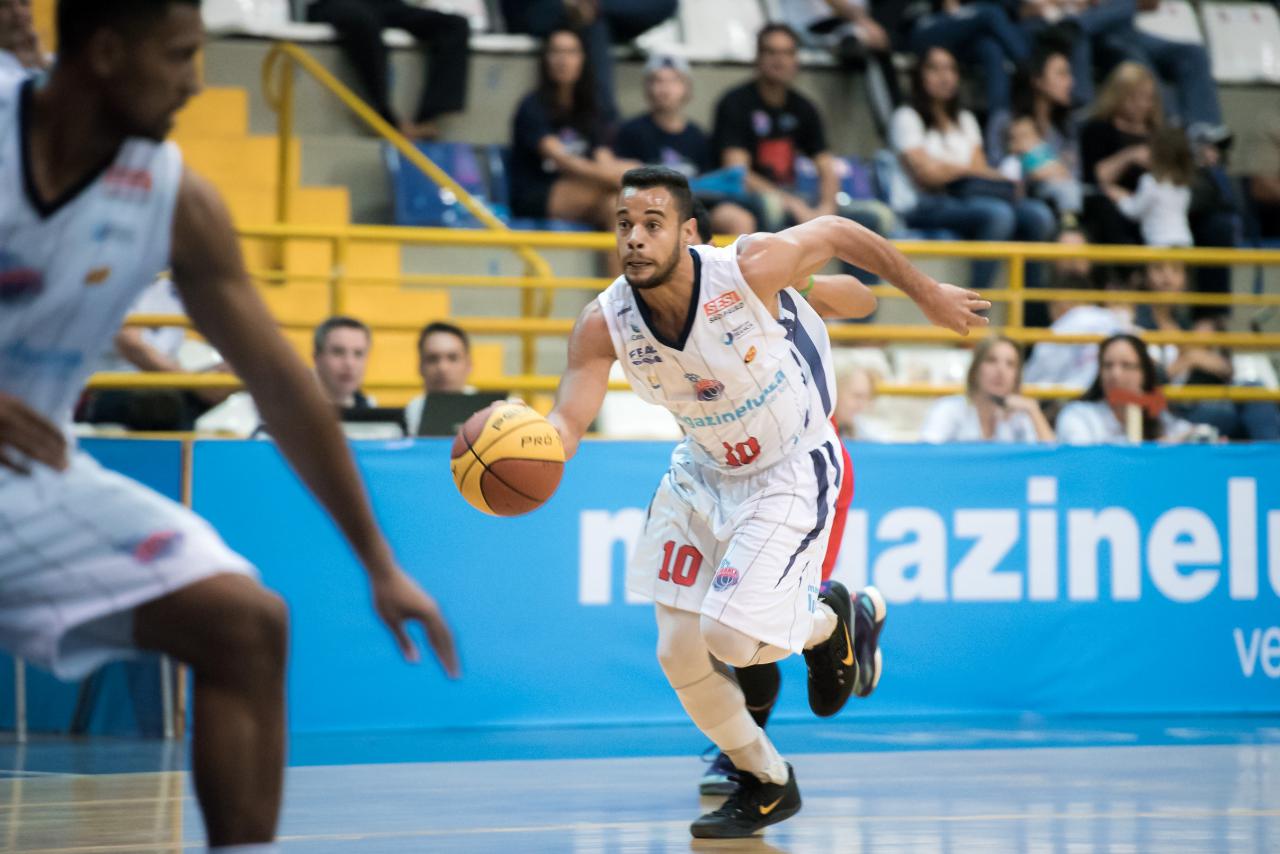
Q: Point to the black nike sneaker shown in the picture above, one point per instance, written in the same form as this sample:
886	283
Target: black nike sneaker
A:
833	667
753	806
869	611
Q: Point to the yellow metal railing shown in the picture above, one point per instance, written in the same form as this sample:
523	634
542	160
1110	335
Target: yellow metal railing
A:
278	89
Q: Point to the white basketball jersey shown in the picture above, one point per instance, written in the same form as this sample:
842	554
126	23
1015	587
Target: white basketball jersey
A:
748	383
69	270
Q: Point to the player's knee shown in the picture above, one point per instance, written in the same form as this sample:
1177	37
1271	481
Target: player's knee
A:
680	652
257	638
728	644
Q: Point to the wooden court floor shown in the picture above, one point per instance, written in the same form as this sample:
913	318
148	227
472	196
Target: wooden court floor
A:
1156	798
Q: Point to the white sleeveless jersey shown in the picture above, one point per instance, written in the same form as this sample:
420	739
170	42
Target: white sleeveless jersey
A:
748	383
70	270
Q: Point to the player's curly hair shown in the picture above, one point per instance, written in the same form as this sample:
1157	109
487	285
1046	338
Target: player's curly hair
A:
78	20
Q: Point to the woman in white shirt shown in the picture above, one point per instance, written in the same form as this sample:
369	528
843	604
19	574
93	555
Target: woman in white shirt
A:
1124	365
991	410
953	188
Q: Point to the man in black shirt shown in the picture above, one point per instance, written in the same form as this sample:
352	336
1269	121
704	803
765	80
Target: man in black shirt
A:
766	125
666	137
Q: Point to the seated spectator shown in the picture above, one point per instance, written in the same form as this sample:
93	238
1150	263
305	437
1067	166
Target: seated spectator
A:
1045	176
444	363
1115	149
601	25
561	166
1074	365
982	34
341	356
765	124
851	30
1253	420
446	37
1108	32
1264	193
20	51
855	400
940	147
1215	215
665	136
1163	196
991	409
1097	418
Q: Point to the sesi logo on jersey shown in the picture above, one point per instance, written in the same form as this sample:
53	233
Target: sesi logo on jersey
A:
722	306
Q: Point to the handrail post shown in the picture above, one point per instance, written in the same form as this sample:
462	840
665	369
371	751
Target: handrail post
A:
528	351
1017	290
284	142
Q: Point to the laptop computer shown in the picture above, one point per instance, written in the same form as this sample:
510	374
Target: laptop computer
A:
447	411
376	422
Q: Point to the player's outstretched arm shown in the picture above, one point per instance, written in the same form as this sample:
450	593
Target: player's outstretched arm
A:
585	380
227	309
770	262
838	297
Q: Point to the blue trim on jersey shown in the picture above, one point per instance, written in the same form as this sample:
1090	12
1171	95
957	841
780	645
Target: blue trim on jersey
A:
799	338
689	317
820	471
45	209
834	465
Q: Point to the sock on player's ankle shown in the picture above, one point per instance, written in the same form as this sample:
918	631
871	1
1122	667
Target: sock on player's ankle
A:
761	758
760	684
824	623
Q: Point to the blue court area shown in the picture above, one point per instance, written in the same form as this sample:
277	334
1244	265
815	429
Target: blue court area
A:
1106	784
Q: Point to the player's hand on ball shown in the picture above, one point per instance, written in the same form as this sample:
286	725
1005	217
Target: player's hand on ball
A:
398	599
955	308
30	434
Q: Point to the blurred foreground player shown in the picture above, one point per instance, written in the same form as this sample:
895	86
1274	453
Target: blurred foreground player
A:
93	565
832	296
733	543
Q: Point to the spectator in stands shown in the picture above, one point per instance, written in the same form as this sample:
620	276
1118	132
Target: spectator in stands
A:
1108	32
1125	367
1115	149
852	32
1074	365
978	33
20	50
561	166
1191	365
446	37
765	125
991	409
341	355
665	136
1264	193
855	399
940	146
1042	140
601	24
444	362
1160	203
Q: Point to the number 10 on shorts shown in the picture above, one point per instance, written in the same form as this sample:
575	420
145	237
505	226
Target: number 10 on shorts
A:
688	561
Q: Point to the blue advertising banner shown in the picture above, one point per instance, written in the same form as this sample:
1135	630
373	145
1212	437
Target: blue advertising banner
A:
1045	579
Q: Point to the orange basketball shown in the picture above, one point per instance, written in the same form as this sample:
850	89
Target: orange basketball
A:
507	460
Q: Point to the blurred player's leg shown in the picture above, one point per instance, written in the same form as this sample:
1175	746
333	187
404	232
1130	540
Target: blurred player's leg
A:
233	634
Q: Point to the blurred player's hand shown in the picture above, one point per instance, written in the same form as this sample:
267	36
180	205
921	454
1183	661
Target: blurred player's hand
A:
398	600
955	308
26	431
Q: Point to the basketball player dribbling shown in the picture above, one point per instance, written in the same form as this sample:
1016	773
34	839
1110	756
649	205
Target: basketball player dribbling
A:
831	296
735	536
92	565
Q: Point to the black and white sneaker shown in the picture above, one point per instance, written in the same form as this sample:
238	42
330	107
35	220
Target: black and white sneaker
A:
869	611
753	806
718	777
832	665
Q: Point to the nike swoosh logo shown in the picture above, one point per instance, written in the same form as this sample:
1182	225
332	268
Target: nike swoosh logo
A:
769	809
848	645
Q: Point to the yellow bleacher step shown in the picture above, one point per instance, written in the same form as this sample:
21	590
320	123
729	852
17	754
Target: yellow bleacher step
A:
218	111
246	163
377	305
301	303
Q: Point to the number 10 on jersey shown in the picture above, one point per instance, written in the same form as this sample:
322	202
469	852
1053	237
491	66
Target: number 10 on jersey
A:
688	561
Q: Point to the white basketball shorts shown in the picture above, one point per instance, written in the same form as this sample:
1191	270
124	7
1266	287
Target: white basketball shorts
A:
80	549
745	550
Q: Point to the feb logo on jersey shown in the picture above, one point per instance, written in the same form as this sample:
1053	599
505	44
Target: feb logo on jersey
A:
18	282
705	389
722	306
726	577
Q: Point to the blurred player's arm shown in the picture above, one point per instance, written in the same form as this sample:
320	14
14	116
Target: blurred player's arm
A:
585	380
838	297
770	262
226	308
